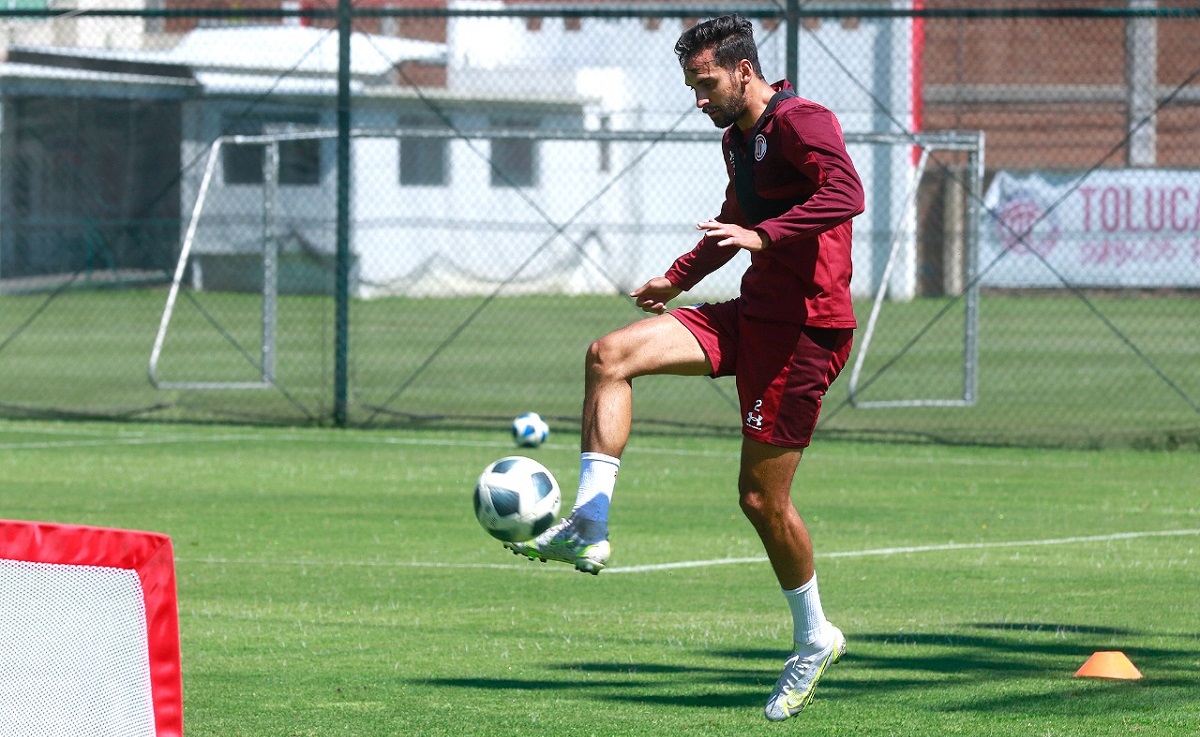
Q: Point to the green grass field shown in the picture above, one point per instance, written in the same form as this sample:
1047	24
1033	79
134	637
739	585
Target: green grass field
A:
336	583
1051	373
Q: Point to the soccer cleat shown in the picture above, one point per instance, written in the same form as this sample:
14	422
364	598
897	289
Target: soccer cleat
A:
796	686
562	543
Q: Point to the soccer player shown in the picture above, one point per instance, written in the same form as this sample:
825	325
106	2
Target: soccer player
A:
791	195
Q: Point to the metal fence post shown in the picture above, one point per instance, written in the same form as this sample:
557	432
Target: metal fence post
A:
342	271
793	41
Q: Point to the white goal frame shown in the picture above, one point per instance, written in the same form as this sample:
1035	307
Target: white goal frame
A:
970	142
270	253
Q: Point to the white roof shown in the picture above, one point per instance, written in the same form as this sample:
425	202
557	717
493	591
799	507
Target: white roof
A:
270	51
289	60
230	83
15	71
293	48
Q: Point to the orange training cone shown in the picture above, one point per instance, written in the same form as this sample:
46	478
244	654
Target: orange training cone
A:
1109	664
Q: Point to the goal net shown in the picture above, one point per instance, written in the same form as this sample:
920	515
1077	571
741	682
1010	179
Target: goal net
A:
89	635
550	212
954	161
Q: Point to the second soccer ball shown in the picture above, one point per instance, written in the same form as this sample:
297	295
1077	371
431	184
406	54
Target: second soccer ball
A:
530	430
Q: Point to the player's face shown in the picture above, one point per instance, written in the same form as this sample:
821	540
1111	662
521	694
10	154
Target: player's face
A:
720	93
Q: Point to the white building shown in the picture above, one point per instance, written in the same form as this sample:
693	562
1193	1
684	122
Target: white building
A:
536	206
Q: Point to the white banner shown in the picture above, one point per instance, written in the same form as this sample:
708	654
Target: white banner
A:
1116	228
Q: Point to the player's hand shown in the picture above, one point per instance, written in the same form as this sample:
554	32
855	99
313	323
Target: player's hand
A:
654	295
733	235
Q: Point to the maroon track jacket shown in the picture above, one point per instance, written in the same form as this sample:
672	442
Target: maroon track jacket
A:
791	178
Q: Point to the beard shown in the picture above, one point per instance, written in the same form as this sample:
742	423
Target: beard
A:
729	112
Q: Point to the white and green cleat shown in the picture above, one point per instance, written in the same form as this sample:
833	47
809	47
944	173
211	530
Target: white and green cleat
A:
562	543
798	684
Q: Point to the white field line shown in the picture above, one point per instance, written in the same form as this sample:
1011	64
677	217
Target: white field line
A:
96	439
176	439
908	550
917	549
105	442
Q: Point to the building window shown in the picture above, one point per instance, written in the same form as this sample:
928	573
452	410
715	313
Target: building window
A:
242	163
299	160
423	160
514	159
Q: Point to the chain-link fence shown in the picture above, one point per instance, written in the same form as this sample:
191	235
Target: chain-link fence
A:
248	214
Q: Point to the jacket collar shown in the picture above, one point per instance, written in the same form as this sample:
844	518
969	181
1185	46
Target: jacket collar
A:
783	90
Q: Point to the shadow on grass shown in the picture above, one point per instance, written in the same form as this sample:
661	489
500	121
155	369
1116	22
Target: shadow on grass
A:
645	683
1019	667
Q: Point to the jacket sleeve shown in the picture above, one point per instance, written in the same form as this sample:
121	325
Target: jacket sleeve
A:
817	149
707	256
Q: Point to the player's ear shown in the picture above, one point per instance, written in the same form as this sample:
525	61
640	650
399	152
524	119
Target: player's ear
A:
745	70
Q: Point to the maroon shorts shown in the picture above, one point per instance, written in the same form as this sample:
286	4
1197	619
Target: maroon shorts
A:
782	369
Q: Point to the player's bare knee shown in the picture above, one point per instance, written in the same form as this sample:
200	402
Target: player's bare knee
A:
762	505
604	358
594	360
753	506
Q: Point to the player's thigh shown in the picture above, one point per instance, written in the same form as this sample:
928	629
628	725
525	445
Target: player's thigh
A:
654	345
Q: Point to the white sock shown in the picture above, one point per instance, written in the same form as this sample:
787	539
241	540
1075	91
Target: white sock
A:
597	479
808	619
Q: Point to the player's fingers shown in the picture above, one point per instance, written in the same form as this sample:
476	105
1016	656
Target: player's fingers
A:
637	293
651	305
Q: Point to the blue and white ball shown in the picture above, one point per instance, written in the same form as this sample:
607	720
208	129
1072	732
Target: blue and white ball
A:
516	499
530	430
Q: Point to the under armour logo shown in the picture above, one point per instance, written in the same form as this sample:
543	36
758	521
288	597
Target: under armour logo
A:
754	417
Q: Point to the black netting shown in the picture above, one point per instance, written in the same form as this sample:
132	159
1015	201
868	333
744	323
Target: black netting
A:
1027	271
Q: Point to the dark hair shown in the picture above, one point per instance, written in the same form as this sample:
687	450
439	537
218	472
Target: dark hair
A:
731	38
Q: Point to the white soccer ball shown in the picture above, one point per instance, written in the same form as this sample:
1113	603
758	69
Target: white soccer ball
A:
516	499
530	430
